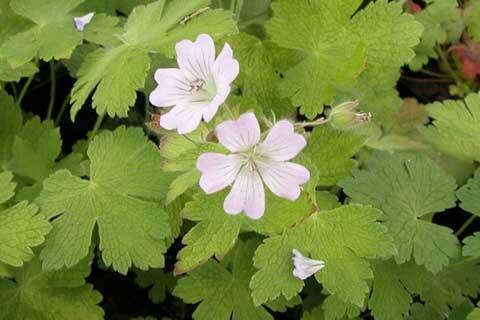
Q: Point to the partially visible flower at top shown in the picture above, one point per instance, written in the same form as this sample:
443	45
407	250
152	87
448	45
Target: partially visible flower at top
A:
198	87
81	22
345	116
251	162
305	267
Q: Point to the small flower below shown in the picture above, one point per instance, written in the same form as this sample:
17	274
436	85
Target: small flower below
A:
305	267
198	88
252	163
81	22
345	116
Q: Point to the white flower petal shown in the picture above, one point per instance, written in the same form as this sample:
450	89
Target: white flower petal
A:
173	88
239	135
218	170
283	178
247	194
305	267
212	108
183	118
282	143
81	22
196	58
225	68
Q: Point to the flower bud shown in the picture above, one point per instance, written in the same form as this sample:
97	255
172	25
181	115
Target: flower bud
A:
345	116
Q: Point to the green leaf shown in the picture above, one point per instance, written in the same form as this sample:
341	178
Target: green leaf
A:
7	187
456	127
53	35
103	30
54	295
472	245
442	23
391	296
333	55
216	231
157	283
407	191
472	22
124	177
259	74
469	195
10	125
21	228
36	140
474	315
223	292
336	308
345	238
117	73
331	151
389	36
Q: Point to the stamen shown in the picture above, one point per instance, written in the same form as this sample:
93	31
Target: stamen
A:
197	86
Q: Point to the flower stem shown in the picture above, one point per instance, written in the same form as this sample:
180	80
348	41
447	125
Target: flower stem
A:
446	64
62	109
315	123
465	225
434	74
24	90
96	126
53	87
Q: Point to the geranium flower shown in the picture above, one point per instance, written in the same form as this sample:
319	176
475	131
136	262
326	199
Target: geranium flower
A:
305	267
81	22
252	162
198	87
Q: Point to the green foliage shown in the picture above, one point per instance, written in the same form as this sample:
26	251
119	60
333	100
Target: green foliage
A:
117	197
469	195
455	127
408	191
117	73
223	292
53	295
344	238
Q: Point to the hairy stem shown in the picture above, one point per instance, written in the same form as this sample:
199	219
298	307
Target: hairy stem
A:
96	126
62	109
465	225
53	87
24	90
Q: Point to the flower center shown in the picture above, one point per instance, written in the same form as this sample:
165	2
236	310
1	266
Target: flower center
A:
197	86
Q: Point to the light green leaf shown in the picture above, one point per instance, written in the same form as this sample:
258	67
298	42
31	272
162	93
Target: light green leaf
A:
117	73
406	191
331	151
472	22
345	238
103	30
389	35
223	292
53	35
335	308
469	195
442	25
472	245
36	140
216	232
21	228
124	177
456	127
7	187
54	295
333	55
10	125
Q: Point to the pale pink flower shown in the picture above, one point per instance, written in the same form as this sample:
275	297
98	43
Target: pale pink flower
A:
81	22
198	87
305	267
251	164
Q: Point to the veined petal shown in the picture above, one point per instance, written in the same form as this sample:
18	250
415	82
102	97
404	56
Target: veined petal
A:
196	58
225	68
173	88
283	178
247	194
81	22
183	118
305	267
212	108
239	135
282	143
218	170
